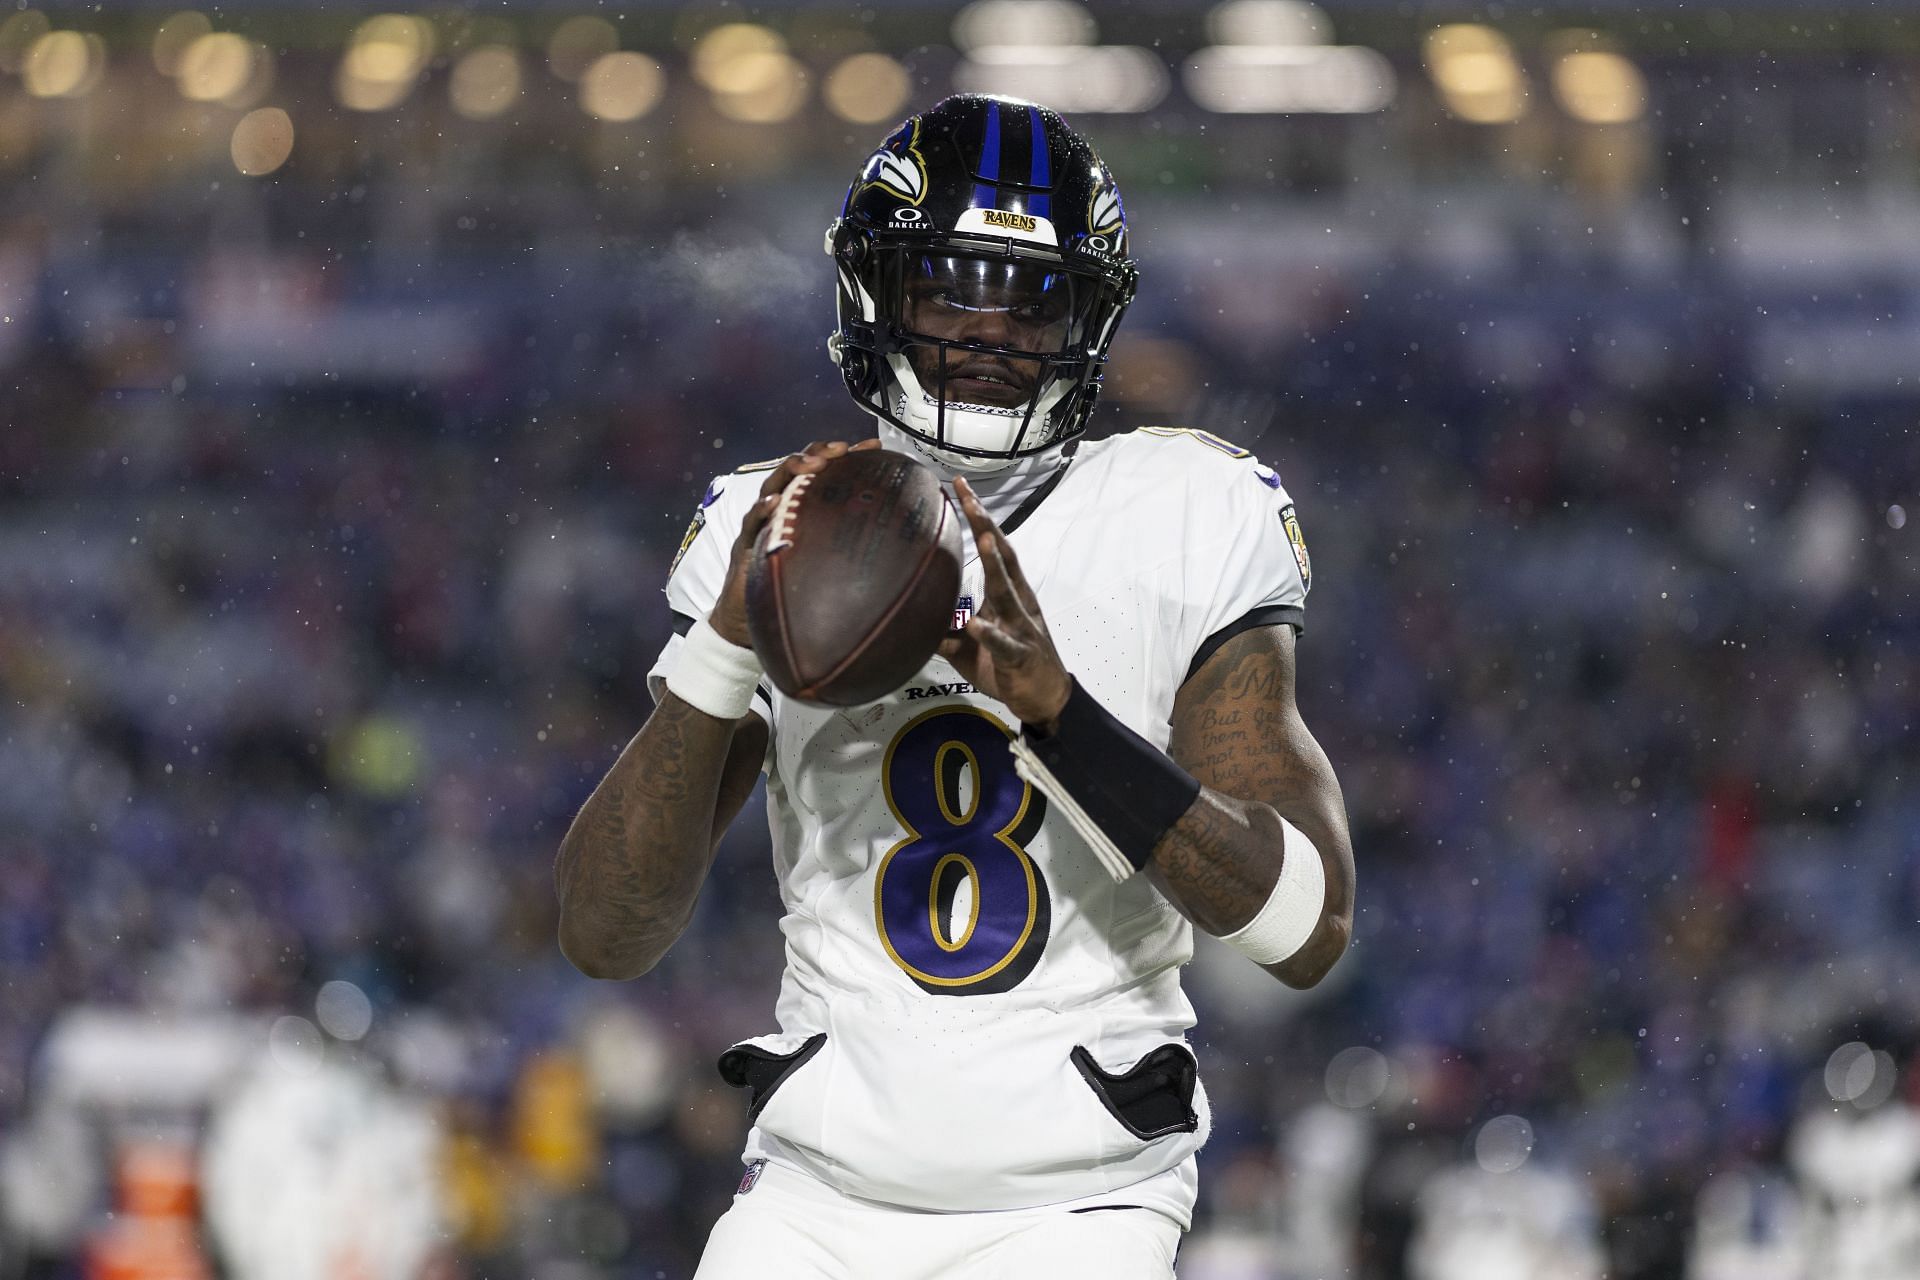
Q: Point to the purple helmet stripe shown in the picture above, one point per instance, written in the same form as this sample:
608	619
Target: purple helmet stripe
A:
1041	206
983	193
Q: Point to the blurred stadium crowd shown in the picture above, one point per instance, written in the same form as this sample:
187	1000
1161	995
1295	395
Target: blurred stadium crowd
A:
333	512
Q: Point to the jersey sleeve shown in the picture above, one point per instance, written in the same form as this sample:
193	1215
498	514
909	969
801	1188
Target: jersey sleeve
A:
699	571
1253	570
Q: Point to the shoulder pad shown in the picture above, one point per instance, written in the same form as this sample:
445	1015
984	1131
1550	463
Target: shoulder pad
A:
1206	438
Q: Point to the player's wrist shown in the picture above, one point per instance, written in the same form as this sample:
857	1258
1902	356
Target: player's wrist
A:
713	674
1119	791
729	618
1045	722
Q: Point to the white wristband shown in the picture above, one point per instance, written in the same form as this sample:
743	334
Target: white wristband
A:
1293	910
713	674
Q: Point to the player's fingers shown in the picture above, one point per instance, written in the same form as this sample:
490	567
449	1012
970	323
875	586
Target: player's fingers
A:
871	442
960	649
984	530
1003	598
757	515
778	477
977	518
809	459
1018	576
996	640
990	542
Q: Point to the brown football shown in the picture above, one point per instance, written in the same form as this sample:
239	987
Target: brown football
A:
854	579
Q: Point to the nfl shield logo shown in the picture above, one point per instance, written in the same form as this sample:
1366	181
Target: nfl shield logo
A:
962	612
751	1176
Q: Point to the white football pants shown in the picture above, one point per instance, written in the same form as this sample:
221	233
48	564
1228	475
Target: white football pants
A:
789	1226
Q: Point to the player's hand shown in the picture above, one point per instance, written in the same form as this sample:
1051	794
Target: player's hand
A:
1005	651
729	615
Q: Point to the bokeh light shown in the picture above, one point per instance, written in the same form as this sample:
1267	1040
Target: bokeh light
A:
215	66
344	1011
620	87
1357	1077
760	88
485	82
578	43
262	141
1478	77
716	54
1268	23
867	88
175	36
1503	1144
1598	87
989	23
17	35
383	61
63	64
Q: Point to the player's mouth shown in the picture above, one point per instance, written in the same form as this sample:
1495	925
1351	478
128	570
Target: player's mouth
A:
990	382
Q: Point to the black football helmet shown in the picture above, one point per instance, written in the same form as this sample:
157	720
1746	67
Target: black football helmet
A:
982	264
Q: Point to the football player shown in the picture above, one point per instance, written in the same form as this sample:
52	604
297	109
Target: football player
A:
990	877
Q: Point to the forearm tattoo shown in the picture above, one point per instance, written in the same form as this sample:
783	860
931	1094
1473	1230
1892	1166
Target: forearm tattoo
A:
632	864
1237	731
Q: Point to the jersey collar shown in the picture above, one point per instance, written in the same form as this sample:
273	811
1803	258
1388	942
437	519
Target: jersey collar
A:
1010	494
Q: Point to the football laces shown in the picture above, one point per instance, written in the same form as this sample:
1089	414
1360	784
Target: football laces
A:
785	512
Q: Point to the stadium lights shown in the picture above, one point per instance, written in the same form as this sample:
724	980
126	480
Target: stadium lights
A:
1272	23
64	64
1328	80
1272	57
1598	87
1020	23
577	44
761	88
17	35
1474	68
867	88
485	82
214	66
383	61
750	73
619	87
173	37
262	141
715	52
1093	78
1044	50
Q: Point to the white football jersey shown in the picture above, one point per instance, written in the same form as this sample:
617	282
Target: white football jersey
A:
966	988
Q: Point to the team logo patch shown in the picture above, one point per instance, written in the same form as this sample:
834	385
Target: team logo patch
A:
962	612
751	1177
1299	541
693	531
898	166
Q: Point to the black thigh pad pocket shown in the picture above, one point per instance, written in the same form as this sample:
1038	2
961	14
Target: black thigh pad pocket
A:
1152	1098
760	1072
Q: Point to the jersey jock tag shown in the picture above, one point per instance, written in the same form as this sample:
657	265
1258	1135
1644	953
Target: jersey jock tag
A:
1299	542
698	523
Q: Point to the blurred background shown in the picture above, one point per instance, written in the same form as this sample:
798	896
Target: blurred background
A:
359	372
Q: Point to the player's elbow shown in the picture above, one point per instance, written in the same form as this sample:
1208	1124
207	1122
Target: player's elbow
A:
1315	960
588	951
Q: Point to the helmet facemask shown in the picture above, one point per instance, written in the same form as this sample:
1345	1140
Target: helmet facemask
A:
983	356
